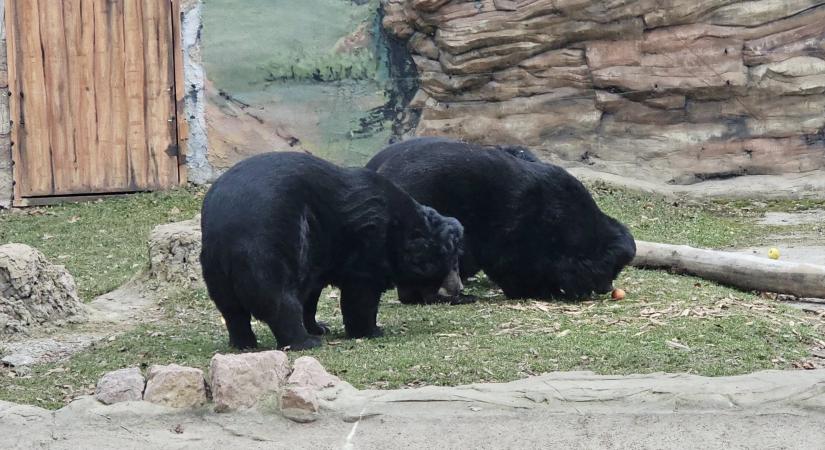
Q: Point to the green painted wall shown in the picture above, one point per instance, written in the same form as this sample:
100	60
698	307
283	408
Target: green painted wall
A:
279	56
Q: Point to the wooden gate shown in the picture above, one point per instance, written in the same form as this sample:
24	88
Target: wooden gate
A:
94	97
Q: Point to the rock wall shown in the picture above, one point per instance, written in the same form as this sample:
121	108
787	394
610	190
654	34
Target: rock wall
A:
673	91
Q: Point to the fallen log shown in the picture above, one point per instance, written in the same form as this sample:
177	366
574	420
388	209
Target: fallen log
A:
733	269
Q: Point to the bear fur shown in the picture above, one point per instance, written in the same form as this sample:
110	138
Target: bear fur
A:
530	226
279	227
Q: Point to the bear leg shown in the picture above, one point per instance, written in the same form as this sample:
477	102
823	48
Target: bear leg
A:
359	306
310	310
287	324
240	331
410	296
468	266
235	316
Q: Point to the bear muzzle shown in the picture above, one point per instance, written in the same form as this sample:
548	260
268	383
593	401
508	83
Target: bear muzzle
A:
452	285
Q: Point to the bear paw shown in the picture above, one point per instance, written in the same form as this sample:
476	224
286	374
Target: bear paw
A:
376	332
320	329
309	342
463	299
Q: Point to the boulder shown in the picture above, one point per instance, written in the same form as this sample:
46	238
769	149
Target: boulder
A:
299	403
124	385
308	372
175	386
241	381
174	253
35	292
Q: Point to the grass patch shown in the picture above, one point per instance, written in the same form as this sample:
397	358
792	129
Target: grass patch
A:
726	332
668	221
667	323
101	243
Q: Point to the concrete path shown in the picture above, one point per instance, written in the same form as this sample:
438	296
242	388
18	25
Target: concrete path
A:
570	410
110	314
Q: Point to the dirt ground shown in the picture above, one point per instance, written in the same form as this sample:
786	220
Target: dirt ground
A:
805	246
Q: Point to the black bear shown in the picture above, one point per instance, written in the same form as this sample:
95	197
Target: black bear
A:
531	226
279	227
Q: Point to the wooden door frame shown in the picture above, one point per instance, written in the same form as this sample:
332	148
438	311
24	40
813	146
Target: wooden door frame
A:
181	126
180	92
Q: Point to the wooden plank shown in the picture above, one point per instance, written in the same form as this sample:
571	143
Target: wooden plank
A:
153	89
138	162
35	146
58	109
57	199
101	158
180	92
86	116
72	31
118	160
166	151
4	77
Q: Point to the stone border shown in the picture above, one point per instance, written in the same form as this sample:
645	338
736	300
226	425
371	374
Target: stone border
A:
262	380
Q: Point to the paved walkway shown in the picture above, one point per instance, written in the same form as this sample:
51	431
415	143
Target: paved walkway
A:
570	410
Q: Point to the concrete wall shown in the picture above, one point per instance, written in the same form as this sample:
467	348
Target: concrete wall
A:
200	171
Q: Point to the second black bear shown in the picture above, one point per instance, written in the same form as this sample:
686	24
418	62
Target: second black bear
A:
532	227
279	227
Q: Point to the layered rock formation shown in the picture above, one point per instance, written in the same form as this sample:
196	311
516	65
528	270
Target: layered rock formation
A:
675	91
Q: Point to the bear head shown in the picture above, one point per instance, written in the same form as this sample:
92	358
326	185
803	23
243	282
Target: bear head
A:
567	247
429	254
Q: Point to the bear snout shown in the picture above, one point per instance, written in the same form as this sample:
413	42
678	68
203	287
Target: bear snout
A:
452	285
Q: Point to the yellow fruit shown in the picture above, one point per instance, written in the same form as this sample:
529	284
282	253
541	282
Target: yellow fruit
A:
618	294
773	253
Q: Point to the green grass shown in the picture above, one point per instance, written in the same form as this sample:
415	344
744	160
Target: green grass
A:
102	243
669	221
725	331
